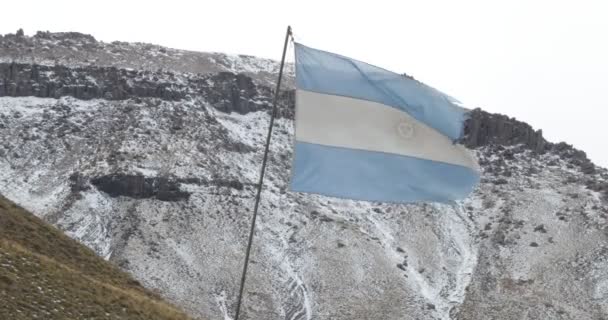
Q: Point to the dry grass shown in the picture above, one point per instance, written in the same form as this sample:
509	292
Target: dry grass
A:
46	275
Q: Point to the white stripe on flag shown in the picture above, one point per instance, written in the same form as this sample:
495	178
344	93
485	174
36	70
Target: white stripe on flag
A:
365	125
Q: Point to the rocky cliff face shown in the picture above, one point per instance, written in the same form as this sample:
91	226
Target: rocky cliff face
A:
485	128
225	90
156	171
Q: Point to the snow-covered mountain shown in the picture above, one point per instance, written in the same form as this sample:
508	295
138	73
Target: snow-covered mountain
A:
151	155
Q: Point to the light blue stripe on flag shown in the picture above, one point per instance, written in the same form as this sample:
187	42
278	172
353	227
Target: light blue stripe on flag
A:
377	176
330	73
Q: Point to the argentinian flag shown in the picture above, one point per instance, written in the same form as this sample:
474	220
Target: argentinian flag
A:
365	133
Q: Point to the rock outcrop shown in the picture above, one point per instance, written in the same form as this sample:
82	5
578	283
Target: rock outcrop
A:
73	49
484	128
163	185
140	187
22	80
228	92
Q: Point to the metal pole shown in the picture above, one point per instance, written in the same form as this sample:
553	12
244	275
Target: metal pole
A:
257	197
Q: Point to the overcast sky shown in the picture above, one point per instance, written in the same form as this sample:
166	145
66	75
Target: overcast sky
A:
543	62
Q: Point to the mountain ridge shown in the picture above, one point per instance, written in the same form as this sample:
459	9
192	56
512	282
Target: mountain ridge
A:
75	49
94	166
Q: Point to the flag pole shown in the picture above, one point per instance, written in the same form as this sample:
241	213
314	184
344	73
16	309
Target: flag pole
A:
261	180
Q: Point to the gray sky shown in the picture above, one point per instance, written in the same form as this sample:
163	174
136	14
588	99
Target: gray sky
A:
544	62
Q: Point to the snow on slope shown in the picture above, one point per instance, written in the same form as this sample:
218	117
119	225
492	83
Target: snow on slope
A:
313	256
164	188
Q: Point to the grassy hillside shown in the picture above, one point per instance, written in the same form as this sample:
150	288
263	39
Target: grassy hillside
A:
46	275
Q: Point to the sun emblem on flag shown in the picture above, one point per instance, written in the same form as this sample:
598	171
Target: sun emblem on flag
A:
405	129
